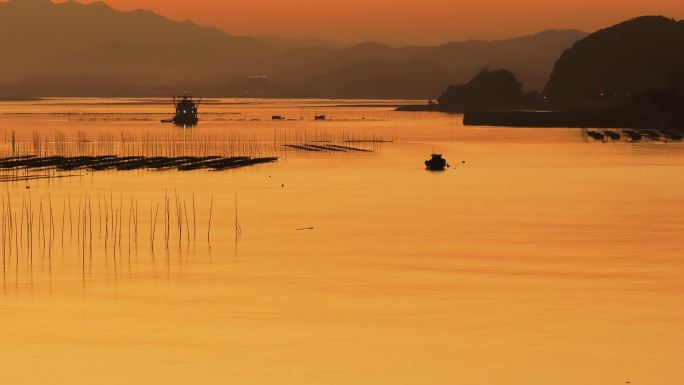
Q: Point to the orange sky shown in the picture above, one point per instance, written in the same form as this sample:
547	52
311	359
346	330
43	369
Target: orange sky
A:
402	21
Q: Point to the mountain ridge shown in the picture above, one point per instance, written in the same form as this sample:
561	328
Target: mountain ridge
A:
142	53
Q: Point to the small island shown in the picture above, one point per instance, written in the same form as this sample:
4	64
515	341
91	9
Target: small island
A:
497	89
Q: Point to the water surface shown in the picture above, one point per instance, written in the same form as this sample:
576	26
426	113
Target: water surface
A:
544	258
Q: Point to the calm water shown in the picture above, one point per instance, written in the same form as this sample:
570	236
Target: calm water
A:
543	259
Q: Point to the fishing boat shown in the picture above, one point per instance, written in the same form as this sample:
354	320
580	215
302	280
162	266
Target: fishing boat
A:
613	135
186	111
633	135
596	135
436	163
671	135
651	134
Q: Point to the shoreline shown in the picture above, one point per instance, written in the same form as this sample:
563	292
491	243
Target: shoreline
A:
568	119
558	119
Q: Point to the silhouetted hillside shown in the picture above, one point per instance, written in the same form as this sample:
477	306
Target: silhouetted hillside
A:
665	106
629	58
74	49
659	109
627	76
488	90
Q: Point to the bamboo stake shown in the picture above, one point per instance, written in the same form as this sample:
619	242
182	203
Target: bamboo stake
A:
194	219
71	220
211	208
154	228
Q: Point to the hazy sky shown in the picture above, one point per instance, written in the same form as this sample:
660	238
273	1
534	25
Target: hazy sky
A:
403	21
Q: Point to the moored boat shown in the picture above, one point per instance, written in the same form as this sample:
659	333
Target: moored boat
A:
671	135
613	135
596	135
186	111
436	163
633	135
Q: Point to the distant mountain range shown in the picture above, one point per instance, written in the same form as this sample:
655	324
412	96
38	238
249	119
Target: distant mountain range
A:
74	49
377	71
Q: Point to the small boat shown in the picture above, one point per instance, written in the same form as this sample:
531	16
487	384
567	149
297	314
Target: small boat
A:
320	117
437	163
277	117
613	135
633	135
651	134
671	135
596	135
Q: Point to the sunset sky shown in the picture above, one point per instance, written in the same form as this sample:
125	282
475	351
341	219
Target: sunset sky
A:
402	21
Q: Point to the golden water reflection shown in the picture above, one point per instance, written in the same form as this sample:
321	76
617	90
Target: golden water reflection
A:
544	258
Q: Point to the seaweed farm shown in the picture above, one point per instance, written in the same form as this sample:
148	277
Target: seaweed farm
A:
635	136
317	248
180	142
102	163
112	145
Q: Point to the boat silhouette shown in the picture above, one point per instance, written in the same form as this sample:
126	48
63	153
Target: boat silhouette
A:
436	163
596	135
186	111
